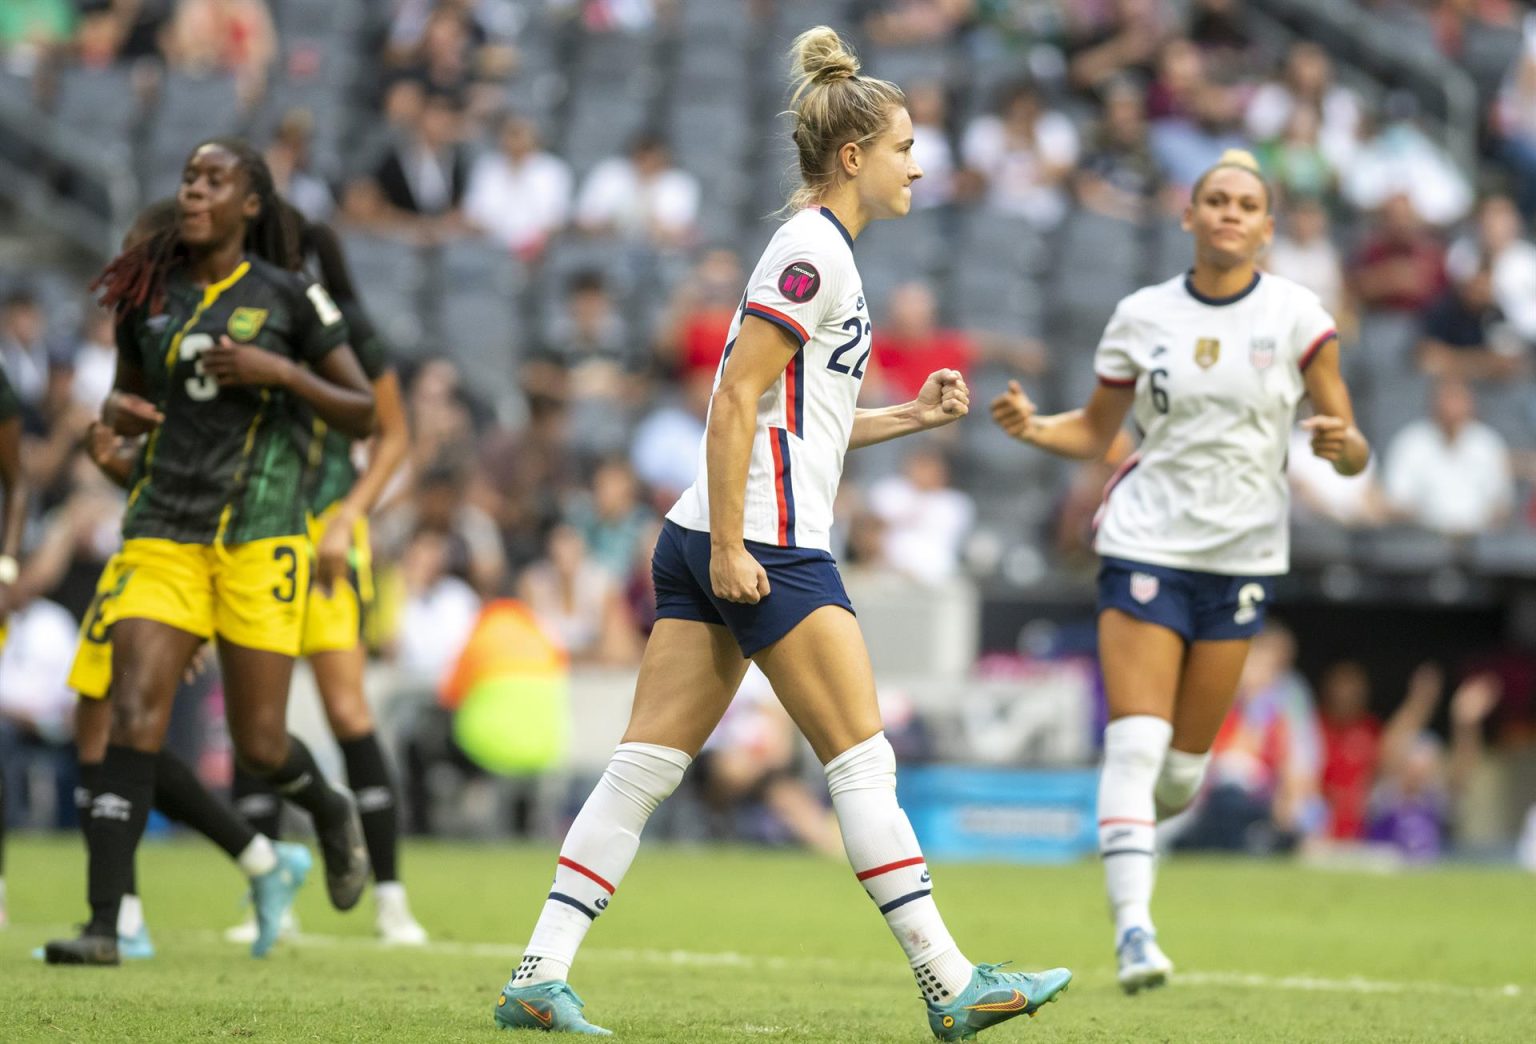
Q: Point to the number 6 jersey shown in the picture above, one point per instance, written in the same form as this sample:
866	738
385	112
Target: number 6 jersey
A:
1217	383
227	464
806	283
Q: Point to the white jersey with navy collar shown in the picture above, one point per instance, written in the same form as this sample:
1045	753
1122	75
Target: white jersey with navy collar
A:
806	283
1217	384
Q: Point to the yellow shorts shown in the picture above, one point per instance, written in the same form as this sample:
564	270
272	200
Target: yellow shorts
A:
250	594
334	622
91	673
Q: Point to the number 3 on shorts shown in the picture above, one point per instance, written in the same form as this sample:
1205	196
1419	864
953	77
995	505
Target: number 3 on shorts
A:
287	591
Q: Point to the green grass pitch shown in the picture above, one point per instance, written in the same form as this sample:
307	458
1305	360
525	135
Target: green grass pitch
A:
741	945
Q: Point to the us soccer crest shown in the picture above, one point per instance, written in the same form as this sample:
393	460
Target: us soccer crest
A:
1143	587
1207	351
246	323
1261	352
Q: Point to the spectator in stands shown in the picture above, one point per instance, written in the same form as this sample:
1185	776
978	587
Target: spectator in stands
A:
440	505
1219	28
291	161
1400	264
1351	746
610	516
926	519
91	361
31	30
903	23
1306	83
24	352
640	196
527	471
1305	253
439	608
1498	242
519	194
931	147
1450	472
1465	335
445	47
234	37
417	189
1194	119
579	603
909	344
1395	157
1103	49
1295	162
1514	120
588	359
1118	177
1320	493
1025	153
442	424
1262	790
665	448
37	711
698	320
1411	806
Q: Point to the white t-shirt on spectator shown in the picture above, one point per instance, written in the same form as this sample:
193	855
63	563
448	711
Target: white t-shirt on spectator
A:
1514	280
615	195
1455	487
1402	160
34	667
925	530
1270	109
1315	266
931	149
1014	174
1343	498
434	625
94	367
519	205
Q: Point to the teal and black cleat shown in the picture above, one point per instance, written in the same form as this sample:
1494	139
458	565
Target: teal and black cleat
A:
136	947
551	1007
272	894
994	996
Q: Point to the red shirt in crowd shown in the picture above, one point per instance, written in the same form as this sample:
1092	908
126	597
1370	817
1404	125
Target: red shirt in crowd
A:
1350	752
902	364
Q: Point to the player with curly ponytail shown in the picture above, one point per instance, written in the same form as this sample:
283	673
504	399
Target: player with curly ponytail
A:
744	573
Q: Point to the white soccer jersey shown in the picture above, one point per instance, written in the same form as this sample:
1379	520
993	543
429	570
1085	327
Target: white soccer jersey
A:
1217	383
807	284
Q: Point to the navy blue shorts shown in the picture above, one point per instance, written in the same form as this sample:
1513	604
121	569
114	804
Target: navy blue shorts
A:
800	581
1198	607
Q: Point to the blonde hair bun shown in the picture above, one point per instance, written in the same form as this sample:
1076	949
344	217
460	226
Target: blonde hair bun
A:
1239	158
820	56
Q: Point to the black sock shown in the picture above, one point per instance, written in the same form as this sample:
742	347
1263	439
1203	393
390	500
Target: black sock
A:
371	784
299	780
258	803
181	796
120	803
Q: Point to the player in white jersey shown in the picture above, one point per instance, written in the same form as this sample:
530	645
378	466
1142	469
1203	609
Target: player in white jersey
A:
1194	524
743	572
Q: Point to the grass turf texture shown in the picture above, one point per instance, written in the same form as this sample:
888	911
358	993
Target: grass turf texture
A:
731	944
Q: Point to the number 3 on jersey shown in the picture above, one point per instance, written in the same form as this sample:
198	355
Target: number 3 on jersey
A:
861	330
200	388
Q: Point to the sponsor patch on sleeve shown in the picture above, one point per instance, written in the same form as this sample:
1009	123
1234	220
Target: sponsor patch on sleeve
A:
800	281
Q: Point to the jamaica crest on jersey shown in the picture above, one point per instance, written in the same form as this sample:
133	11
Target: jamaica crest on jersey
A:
1261	352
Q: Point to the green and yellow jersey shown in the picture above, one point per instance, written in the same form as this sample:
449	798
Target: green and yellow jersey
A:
228	463
331	471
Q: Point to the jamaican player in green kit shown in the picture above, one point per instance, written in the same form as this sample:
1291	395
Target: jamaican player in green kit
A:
223	353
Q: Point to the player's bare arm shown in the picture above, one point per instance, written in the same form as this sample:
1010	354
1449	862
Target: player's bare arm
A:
943	399
1334	435
389	446
1086	433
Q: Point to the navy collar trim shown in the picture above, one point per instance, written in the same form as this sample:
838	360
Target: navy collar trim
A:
826	213
1218	302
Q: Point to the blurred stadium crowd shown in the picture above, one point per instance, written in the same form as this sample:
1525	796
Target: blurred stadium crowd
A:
551	206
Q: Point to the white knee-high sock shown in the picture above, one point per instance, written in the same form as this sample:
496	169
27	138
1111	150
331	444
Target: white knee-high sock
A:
886	857
1179	781
596	854
1134	749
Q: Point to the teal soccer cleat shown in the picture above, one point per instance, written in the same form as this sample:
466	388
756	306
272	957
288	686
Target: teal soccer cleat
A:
136	947
272	894
551	1007
993	997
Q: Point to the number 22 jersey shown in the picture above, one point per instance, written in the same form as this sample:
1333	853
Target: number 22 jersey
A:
807	284
227	464
1217	383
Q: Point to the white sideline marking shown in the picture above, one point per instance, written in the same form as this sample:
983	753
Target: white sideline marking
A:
729	959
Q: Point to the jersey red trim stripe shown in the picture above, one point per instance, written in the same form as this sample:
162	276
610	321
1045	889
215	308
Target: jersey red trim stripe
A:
1123	819
1127	466
794	407
773	315
1116	382
584	872
1316	346
888	867
778	486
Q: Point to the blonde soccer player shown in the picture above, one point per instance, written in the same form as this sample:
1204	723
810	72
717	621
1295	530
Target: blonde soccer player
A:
1193	527
743	572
